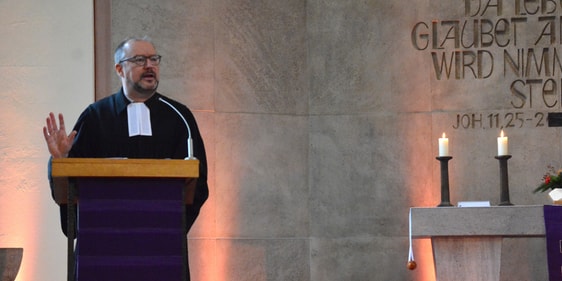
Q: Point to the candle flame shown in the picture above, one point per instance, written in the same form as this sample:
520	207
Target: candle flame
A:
444	135
501	133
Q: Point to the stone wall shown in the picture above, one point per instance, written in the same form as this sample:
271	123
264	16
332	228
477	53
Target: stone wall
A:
46	64
321	121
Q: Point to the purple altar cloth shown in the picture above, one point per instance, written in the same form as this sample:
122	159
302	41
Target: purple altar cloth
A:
553	227
131	229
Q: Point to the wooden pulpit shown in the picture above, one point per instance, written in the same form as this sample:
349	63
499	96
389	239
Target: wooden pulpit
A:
127	215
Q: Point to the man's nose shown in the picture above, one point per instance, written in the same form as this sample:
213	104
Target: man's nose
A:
150	64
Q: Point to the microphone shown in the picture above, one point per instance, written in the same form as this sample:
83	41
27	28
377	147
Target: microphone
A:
189	140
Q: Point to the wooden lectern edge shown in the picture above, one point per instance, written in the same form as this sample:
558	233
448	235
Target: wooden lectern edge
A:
64	168
111	167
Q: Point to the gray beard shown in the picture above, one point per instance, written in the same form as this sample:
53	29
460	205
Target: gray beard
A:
147	92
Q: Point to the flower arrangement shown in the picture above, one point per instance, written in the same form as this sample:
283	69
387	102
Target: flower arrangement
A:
551	180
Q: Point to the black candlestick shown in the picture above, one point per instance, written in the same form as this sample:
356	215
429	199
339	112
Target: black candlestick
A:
504	183
445	202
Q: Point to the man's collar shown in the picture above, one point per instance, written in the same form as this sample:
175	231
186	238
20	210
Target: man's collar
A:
122	101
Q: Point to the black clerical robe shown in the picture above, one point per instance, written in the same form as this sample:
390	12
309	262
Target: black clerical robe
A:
103	133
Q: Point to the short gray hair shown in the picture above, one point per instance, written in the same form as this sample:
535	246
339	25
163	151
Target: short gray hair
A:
119	53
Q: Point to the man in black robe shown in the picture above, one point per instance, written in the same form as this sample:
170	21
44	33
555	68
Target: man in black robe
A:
136	122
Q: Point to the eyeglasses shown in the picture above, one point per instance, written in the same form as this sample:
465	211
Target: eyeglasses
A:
141	60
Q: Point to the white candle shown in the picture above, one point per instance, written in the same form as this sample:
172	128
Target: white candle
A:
443	146
502	145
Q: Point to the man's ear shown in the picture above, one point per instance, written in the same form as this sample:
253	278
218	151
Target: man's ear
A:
119	69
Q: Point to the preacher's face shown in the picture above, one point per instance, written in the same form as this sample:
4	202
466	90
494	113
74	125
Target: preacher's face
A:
139	81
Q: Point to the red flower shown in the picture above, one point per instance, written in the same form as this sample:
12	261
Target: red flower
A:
547	180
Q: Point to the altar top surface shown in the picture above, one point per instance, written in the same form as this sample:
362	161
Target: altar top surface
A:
510	221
